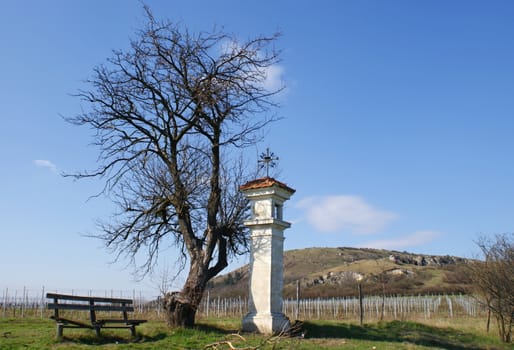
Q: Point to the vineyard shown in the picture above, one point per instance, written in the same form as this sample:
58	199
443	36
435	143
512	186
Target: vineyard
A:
374	307
30	303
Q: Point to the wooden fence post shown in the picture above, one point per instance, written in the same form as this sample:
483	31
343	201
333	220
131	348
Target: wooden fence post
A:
42	305
5	301
361	309
297	313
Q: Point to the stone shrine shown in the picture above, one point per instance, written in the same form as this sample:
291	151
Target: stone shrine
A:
267	197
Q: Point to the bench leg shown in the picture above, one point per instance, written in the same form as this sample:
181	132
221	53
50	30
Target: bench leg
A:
97	330
60	328
133	330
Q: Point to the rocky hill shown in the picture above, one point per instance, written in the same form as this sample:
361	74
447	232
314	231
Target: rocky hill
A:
331	272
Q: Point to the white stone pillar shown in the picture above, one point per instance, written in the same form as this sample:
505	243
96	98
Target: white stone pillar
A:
267	197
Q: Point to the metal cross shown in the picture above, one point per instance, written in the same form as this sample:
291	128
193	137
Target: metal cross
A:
267	160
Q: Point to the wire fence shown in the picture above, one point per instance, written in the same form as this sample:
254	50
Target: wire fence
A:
27	302
374	307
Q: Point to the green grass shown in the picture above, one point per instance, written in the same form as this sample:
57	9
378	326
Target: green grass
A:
35	333
401	335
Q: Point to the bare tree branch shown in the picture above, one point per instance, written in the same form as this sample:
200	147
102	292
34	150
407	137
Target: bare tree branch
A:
169	113
494	280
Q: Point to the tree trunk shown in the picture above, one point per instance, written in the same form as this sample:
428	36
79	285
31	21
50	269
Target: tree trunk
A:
488	318
181	306
180	310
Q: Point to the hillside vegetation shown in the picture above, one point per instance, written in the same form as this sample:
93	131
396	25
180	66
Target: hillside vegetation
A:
336	272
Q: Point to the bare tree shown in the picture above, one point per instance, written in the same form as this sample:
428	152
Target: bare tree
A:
493	280
170	116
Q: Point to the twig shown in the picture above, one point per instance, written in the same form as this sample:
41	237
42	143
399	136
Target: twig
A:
216	345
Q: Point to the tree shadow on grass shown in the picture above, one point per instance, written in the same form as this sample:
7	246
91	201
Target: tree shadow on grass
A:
214	329
91	339
396	331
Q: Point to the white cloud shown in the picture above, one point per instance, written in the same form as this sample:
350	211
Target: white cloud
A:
46	164
274	79
415	239
273	75
335	213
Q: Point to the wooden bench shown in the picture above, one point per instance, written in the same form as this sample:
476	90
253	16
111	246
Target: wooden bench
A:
93	305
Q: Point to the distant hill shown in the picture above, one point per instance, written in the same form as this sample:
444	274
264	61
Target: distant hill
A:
335	272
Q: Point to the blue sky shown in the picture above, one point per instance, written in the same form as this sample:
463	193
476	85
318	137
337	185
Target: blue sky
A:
396	133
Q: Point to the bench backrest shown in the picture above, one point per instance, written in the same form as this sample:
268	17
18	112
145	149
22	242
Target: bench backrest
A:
86	303
87	298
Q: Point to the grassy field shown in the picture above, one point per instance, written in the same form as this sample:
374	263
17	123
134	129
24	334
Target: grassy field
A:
454	334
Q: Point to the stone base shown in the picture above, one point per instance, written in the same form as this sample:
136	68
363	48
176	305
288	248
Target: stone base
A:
266	323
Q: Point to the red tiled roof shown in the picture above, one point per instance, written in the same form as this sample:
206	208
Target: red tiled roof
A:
265	182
